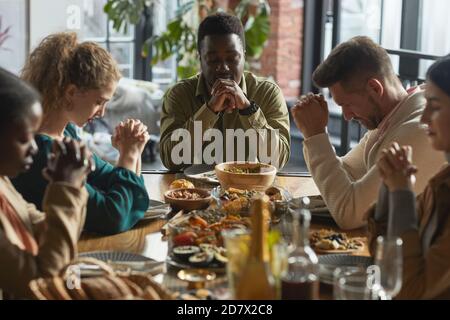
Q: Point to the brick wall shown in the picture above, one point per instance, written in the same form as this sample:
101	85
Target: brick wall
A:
282	58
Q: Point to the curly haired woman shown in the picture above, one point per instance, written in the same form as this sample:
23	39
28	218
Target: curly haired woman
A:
76	80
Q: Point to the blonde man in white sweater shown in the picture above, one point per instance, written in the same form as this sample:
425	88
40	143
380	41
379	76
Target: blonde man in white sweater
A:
362	81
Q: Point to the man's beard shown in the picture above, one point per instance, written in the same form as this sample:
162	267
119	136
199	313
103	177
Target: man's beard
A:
377	116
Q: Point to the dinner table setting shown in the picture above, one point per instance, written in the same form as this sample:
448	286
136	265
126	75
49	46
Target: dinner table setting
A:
195	236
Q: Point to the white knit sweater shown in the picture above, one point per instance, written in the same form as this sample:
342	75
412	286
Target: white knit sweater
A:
349	185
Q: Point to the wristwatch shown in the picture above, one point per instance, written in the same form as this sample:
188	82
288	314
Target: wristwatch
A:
252	109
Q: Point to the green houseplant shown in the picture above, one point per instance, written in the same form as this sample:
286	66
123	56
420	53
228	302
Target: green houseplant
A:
4	35
180	36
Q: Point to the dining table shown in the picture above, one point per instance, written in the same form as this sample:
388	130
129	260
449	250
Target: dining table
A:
146	238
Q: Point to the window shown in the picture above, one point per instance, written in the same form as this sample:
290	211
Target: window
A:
86	17
413	31
13	34
164	73
432	39
98	28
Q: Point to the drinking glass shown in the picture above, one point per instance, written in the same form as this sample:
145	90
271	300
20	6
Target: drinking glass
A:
353	283
237	243
284	227
278	263
389	260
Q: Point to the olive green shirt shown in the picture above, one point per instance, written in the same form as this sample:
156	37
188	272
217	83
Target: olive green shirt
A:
185	103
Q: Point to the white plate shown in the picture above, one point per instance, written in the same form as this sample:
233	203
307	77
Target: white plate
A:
157	210
319	209
115	256
202	172
121	260
316	202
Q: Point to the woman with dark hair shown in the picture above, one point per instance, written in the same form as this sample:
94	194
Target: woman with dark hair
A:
76	80
32	243
422	223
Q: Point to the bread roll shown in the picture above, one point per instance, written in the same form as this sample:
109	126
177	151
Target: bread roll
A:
100	288
57	287
181	184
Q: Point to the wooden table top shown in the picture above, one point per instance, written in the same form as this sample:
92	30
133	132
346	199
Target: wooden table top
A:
145	237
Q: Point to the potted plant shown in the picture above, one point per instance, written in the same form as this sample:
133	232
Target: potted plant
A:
180	36
4	35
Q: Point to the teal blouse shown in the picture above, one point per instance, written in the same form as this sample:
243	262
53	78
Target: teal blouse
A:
117	196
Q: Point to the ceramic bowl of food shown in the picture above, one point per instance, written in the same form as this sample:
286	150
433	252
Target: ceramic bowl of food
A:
188	199
246	175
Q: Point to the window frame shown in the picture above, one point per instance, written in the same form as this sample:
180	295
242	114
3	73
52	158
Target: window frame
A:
316	14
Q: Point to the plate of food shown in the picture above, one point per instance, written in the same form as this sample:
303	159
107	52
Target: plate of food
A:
204	256
195	240
238	201
202	172
233	200
188	198
332	242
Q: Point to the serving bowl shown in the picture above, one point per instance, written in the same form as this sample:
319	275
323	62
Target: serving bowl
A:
188	199
246	175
